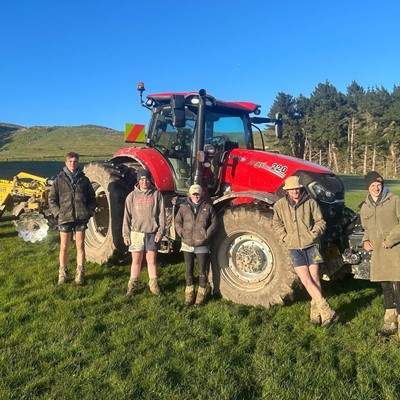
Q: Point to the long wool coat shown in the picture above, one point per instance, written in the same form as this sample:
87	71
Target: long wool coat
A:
381	223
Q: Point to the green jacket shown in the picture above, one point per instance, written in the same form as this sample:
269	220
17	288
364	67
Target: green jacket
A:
299	226
381	223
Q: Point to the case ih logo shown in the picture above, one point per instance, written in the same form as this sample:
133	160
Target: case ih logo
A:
277	169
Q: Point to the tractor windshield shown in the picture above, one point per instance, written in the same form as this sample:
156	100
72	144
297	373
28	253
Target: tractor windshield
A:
223	131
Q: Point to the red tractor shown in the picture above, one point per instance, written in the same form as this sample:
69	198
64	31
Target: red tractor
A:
195	138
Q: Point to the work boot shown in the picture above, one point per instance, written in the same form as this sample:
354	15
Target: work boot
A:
80	275
328	315
62	275
390	324
189	295
132	287
201	297
154	286
315	316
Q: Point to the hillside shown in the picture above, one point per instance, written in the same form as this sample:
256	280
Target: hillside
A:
19	143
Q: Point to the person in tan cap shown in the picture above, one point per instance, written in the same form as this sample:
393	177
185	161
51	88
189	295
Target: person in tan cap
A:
299	224
196	223
380	218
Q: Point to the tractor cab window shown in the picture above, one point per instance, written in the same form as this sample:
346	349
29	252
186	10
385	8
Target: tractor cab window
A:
223	133
227	132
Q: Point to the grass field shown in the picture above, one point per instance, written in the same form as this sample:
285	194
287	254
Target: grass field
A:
90	342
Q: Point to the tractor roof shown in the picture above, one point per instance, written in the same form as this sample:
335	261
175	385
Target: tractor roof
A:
165	98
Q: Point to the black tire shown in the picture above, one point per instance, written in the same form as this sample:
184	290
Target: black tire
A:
249	264
103	241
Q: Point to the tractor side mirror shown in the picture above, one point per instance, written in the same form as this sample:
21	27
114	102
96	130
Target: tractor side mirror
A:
178	111
278	125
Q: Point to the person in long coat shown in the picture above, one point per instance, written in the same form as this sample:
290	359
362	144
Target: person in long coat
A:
380	218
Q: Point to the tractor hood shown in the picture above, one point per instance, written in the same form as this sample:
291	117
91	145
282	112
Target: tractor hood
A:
258	170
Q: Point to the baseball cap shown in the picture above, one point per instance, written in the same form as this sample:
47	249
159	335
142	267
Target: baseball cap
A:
195	189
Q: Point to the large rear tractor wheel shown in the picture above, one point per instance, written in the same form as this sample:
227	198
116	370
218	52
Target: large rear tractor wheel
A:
249	264
111	184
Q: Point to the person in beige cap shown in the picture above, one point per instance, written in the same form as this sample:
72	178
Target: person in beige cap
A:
142	229
196	223
299	224
380	218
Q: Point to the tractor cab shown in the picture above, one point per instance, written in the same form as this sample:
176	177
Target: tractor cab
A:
195	132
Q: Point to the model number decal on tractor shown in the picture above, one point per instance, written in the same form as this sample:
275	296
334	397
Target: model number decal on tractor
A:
277	169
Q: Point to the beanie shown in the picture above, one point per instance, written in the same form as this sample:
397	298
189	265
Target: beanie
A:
144	173
372	177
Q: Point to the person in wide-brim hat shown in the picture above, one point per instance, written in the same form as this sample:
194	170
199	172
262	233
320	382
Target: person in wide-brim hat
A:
299	224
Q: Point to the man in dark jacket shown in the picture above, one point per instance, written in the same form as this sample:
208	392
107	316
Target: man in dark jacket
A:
195	223
72	201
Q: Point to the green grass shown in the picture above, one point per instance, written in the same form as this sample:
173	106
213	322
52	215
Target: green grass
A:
91	342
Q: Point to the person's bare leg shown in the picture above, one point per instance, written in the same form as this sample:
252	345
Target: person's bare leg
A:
308	282
65	241
80	247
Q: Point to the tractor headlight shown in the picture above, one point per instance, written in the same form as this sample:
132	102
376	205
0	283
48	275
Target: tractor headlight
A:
321	193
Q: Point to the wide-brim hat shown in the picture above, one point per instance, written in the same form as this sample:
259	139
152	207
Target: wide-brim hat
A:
293	182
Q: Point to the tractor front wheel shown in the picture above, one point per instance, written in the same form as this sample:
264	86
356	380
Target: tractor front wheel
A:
249	264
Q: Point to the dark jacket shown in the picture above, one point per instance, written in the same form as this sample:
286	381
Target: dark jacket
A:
299	225
195	225
381	223
72	202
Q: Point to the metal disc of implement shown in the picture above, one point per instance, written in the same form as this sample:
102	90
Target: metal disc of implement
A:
32	227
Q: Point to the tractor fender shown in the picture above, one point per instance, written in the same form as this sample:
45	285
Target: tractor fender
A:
152	160
248	197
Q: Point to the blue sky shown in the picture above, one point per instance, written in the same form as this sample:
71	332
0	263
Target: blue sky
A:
70	62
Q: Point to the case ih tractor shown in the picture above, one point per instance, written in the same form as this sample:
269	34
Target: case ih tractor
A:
195	138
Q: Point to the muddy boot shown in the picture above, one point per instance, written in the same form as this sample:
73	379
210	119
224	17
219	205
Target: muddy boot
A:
80	275
315	316
189	295
201	297
132	287
154	286
328	315
62	275
390	324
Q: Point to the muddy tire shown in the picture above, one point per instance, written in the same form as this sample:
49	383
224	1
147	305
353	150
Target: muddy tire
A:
103	241
249	264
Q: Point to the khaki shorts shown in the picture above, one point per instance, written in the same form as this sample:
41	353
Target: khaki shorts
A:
143	241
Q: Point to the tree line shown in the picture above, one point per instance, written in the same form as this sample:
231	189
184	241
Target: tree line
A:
351	133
